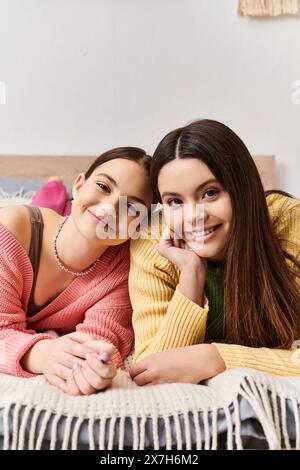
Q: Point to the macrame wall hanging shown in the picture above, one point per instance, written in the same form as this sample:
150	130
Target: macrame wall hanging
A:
268	7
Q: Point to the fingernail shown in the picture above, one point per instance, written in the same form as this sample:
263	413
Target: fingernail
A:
70	372
74	366
104	356
87	356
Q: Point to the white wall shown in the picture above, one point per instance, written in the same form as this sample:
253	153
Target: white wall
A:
85	75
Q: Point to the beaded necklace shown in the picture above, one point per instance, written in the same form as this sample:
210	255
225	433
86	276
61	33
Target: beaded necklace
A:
58	260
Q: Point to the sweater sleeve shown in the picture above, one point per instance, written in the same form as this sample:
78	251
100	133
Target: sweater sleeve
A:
15	338
163	318
286	212
110	317
270	361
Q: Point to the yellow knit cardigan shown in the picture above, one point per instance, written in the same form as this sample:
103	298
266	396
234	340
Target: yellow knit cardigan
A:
163	318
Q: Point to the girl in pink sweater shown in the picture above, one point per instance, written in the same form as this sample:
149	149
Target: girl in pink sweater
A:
70	274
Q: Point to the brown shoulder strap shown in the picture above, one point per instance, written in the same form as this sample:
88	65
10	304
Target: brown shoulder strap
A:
37	228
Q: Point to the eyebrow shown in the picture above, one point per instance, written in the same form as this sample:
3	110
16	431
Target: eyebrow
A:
108	177
129	196
201	186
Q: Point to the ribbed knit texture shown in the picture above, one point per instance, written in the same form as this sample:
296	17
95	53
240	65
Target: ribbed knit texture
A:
163	318
97	303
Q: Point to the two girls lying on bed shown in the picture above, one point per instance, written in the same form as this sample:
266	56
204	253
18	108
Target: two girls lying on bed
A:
214	285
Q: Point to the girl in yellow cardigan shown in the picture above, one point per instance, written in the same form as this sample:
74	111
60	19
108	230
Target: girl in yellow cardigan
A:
221	288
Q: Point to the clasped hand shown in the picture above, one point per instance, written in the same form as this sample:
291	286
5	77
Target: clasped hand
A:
190	364
73	363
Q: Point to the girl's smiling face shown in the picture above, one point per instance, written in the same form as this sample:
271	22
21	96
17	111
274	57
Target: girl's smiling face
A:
98	200
197	206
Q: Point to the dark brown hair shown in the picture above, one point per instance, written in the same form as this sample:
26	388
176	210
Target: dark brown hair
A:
261	295
134	154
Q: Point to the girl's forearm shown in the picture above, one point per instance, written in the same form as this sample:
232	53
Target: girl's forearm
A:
191	284
33	360
207	359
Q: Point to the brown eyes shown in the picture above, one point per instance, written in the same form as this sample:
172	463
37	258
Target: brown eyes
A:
131	208
103	187
211	193
208	194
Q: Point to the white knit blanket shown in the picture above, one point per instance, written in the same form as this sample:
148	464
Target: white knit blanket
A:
267	396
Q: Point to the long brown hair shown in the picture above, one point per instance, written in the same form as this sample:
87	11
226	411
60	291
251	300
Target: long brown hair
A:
134	154
262	299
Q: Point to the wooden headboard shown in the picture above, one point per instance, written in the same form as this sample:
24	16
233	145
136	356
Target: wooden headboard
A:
37	167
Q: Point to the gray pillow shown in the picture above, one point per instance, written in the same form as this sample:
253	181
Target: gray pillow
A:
11	185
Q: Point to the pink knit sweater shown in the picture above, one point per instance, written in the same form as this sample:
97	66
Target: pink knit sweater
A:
97	303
